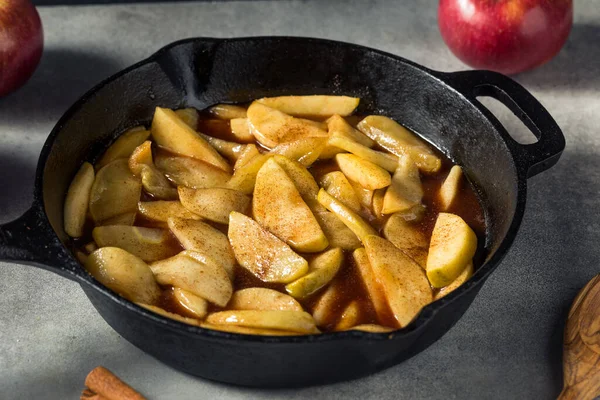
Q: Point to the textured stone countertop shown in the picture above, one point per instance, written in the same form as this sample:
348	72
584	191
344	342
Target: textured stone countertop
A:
507	345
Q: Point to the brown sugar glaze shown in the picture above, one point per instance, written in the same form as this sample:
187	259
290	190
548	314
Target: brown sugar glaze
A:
347	281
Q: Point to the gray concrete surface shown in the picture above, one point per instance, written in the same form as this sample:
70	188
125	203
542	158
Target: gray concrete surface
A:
508	345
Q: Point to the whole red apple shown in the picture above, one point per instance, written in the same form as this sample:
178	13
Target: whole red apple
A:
21	43
507	36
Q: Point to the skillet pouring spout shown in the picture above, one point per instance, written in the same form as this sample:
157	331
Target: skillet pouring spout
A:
199	72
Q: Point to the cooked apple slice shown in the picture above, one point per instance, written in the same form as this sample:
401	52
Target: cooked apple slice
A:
241	130
91	247
156	184
249	152
462	278
244	330
189	116
386	161
304	150
194	306
227	111
278	207
272	127
373	328
406	191
123	273
168	314
337	185
400	141
351	219
450	188
338	126
403	282
123	146
244	177
262	253
184	171
312	106
377	206
170	132
303	180
123	219
350	316
162	210
262	299
453	245
141	155
78	199
197	274
115	191
149	244
367	174
294	321
203	238
322	270
230	150
214	204
365	196
324	309
369	280
407	237
337	234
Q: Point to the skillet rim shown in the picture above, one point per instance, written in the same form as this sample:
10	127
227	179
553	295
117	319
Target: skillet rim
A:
424	317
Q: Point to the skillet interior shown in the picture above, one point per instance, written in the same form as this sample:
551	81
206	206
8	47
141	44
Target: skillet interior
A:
199	73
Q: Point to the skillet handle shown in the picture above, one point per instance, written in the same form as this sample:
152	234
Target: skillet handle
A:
533	158
26	241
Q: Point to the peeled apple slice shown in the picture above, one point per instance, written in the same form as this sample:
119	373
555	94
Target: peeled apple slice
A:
78	199
189	116
322	269
170	132
318	106
162	210
303	180
203	238
350	316
194	306
196	274
400	141
123	146
462	278
188	172
407	237
230	150
227	111
262	299
140	157
123	273
244	177
453	245
241	130
450	188
339	127
386	161
115	191
351	219
365	196
304	150
324	309
337	234
295	321
402	281
369	280
337	185
278	207
367	174
272	127
149	244
406	191
156	184
262	253
249	152
214	204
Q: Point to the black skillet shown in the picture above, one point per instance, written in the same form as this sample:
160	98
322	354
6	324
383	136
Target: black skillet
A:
442	107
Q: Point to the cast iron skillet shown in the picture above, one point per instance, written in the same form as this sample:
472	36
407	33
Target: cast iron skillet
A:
200	72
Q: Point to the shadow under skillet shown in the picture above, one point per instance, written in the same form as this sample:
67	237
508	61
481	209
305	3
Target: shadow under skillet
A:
62	76
571	68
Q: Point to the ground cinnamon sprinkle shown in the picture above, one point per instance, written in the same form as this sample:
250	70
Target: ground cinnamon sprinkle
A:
104	385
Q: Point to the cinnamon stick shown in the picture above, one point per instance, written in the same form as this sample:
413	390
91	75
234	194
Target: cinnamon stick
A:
106	384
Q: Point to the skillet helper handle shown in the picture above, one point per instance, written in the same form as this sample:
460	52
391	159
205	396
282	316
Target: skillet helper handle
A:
536	157
16	239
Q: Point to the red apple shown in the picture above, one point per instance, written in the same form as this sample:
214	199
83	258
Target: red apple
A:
507	36
21	43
